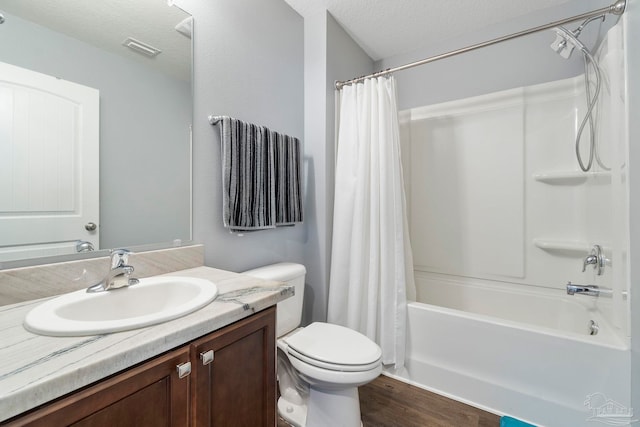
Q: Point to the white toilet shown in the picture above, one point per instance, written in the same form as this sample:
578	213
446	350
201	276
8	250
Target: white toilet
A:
320	366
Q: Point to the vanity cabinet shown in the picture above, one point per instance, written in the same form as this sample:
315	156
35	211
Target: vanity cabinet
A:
231	382
150	394
234	375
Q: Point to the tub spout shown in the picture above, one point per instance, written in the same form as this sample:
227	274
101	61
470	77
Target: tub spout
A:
592	290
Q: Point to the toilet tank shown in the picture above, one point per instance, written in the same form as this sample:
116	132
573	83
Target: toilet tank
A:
289	311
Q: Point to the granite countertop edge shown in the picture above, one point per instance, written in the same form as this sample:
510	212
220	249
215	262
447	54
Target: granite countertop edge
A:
37	369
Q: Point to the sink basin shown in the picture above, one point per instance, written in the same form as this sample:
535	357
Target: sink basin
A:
153	300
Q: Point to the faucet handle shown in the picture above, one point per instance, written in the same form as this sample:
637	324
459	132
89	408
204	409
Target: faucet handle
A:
119	258
596	258
589	260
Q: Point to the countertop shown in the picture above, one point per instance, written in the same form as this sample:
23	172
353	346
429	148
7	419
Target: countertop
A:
35	369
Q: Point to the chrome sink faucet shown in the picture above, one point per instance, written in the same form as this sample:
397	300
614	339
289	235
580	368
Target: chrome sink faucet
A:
119	274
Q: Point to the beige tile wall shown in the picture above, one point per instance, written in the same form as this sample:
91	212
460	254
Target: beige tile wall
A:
29	283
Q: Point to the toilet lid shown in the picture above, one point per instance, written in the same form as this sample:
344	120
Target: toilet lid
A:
334	345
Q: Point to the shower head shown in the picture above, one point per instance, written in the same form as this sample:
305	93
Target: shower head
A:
561	44
1	18
567	40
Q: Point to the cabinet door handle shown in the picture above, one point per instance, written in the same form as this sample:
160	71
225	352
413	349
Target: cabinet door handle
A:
207	357
183	369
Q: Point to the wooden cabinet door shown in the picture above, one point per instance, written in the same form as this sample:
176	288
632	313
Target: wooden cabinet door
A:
148	395
237	387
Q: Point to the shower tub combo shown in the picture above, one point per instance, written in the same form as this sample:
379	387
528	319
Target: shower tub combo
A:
492	324
513	352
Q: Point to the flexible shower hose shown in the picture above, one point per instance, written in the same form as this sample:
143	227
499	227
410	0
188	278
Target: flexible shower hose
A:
589	115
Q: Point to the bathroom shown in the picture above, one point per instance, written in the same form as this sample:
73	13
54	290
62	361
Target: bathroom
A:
292	91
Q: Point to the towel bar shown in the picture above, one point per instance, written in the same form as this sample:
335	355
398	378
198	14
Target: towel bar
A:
214	119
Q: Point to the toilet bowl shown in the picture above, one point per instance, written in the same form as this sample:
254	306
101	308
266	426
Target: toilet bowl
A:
321	366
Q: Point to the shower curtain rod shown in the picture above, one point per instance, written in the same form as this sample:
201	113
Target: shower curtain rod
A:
617	9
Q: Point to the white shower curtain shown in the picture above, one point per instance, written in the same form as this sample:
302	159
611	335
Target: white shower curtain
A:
371	263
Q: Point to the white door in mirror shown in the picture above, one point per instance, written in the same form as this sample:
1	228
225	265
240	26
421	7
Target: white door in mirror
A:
49	164
153	300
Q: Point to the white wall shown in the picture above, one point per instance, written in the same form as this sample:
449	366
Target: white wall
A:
495	191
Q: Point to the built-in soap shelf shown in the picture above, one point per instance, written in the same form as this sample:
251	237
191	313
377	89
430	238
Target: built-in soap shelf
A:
570	177
566	247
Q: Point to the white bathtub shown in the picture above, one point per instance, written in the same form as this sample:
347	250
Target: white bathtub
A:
524	353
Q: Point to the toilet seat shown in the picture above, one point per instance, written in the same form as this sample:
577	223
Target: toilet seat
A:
333	347
332	379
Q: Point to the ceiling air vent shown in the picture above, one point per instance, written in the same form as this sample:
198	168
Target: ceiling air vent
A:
140	47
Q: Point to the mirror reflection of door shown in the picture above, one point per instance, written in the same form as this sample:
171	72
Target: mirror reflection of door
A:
49	166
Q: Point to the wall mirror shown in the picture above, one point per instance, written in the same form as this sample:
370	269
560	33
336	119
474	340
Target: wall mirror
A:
95	117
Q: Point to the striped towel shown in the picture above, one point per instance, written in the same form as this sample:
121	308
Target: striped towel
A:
260	177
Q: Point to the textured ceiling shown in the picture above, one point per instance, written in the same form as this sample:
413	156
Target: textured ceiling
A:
107	23
384	28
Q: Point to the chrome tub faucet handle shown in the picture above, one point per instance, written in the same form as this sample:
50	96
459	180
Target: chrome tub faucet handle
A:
596	258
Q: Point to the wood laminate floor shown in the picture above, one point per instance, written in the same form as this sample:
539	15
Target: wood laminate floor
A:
386	402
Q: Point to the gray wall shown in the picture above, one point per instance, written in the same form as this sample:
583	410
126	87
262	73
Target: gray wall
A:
144	132
248	64
344	58
269	67
330	54
523	61
315	117
633	64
